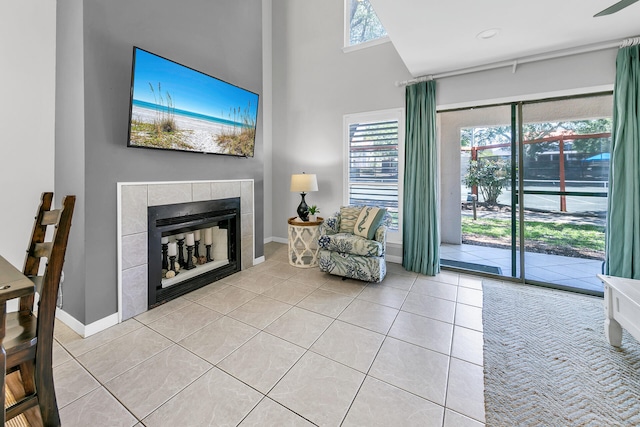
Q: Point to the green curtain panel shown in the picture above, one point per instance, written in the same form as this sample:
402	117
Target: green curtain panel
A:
421	239
623	219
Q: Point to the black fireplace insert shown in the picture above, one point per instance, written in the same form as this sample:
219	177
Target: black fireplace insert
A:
170	222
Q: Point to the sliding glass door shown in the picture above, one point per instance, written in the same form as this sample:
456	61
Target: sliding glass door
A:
533	187
476	207
565	146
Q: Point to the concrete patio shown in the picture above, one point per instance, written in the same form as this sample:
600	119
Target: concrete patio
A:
554	269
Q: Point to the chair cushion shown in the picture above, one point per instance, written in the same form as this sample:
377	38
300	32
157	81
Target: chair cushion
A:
348	243
348	218
368	221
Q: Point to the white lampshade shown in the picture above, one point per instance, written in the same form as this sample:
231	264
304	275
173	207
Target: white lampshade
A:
304	182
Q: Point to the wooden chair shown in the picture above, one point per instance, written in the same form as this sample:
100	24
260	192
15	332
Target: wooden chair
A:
29	336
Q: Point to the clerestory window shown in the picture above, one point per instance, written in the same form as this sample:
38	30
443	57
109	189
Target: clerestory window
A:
362	24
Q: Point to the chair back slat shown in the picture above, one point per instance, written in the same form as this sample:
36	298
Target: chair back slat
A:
52	217
31	263
42	250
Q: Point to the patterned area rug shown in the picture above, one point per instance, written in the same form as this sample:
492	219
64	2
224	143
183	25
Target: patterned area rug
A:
547	362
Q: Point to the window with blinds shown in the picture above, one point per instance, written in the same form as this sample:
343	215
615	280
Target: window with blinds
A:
373	165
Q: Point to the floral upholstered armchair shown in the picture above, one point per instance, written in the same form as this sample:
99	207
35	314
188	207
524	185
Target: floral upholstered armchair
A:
353	242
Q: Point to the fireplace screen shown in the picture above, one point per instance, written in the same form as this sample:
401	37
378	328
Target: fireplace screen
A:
191	245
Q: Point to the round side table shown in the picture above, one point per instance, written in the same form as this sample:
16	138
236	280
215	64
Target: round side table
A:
303	242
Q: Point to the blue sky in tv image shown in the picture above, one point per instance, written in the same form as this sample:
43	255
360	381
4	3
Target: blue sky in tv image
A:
193	94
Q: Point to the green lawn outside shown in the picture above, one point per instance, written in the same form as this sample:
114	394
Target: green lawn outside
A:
561	235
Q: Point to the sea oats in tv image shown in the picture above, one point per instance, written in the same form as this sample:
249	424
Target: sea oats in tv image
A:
174	107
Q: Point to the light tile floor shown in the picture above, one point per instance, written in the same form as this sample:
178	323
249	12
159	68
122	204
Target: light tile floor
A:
555	269
276	345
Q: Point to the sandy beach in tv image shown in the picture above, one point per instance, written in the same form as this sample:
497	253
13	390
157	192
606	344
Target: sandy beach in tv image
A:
175	107
191	134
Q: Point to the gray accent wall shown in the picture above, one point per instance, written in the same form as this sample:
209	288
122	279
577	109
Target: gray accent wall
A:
221	38
69	147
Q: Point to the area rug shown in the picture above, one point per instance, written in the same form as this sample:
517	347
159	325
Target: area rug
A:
547	362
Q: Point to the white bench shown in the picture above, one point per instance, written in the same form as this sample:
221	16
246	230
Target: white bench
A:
621	308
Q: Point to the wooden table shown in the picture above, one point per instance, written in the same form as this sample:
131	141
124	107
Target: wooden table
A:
621	308
13	284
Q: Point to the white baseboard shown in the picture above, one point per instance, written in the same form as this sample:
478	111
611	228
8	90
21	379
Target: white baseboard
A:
258	260
395	248
276	239
86	330
101	325
70	321
393	258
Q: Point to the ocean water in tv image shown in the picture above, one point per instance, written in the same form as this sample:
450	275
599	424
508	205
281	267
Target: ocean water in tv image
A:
175	107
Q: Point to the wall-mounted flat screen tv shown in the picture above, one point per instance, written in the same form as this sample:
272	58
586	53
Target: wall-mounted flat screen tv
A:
174	107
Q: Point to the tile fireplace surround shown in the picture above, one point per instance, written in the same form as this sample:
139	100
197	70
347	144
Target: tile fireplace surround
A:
133	200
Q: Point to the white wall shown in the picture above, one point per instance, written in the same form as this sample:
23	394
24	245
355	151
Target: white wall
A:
314	85
570	75
27	116
267	114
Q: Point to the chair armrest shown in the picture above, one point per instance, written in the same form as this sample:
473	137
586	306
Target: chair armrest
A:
381	234
330	225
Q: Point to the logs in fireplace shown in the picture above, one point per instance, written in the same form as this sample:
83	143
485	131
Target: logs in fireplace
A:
172	247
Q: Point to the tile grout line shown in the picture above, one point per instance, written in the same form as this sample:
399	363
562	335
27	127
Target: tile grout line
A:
366	374
446	388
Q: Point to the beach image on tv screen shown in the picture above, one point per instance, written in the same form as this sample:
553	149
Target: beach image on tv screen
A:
175	107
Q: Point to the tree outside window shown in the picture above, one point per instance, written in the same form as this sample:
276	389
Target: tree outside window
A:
586	158
364	24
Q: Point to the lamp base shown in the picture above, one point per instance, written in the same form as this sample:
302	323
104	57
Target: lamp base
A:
303	209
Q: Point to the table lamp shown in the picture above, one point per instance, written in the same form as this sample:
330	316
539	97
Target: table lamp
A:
303	183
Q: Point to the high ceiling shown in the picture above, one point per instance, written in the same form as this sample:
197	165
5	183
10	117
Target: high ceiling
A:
438	36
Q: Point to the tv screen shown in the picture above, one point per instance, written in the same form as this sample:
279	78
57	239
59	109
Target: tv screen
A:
174	107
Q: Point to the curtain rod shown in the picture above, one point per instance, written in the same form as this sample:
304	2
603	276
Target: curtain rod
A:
630	42
515	62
